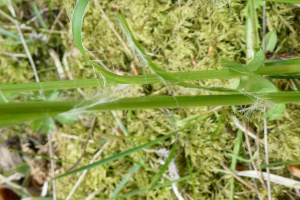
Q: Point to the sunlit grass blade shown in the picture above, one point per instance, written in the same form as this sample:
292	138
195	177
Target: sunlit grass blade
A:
39	17
236	150
166	184
38	155
17	112
295	61
117	156
148	79
124	180
163	168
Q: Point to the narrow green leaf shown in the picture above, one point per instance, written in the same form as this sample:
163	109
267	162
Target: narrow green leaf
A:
117	156
159	71
296	84
192	177
278	164
295	61
236	150
217	129
151	78
39	17
16	112
278	49
243	159
38	155
124	181
9	34
28	25
162	170
271	41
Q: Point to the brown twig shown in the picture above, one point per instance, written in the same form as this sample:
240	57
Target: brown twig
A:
241	180
85	145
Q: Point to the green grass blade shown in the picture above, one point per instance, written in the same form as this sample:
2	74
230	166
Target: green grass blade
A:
28	25
243	159
236	150
117	156
160	72
217	129
77	20
278	49
163	168
125	180
150	78
279	163
9	34
296	84
17	112
39	17
295	61
42	156
192	178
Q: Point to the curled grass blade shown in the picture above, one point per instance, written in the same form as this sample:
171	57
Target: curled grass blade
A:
76	30
160	72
